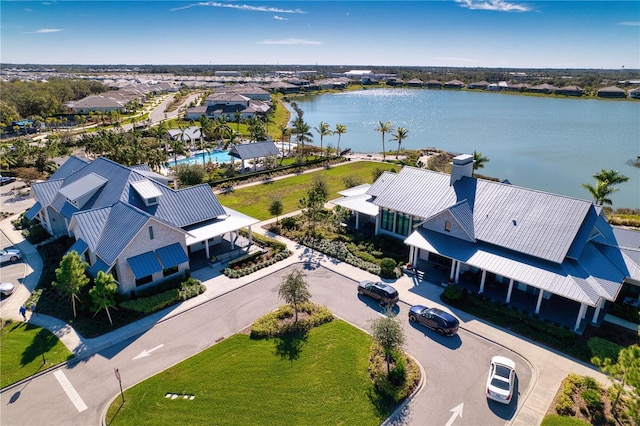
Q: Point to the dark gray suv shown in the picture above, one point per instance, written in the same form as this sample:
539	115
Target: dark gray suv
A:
383	293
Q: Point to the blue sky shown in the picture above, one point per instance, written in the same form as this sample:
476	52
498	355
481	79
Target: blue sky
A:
459	33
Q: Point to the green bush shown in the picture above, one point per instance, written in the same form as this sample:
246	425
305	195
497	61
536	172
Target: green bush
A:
592	399
151	304
603	348
398	373
270	325
387	268
245	259
191	288
452	293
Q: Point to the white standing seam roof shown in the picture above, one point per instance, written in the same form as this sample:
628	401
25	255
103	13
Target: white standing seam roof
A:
585	281
146	189
83	186
527	221
359	203
208	230
356	190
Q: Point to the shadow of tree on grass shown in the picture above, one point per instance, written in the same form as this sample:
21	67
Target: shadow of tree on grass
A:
289	343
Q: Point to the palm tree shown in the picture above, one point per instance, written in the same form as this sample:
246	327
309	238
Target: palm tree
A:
400	135
237	116
204	124
384	128
479	160
323	130
340	130
612	177
303	131
600	192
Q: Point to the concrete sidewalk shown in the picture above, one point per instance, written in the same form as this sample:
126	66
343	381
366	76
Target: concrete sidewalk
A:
549	367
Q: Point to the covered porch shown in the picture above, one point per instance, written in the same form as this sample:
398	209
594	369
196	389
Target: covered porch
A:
219	237
363	213
560	293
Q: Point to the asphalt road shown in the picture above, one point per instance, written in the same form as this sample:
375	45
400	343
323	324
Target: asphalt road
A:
455	367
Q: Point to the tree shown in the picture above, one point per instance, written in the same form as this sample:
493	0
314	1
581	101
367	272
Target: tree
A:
103	293
389	334
384	128
340	130
205	123
312	205
400	135
605	181
625	374
71	277
275	208
294	290
237	116
302	130
323	130
479	160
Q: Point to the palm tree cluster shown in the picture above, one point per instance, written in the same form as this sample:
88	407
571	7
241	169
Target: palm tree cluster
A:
401	134
302	131
605	185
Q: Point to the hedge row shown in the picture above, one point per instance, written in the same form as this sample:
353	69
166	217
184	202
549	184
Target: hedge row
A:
237	273
338	250
148	305
271	324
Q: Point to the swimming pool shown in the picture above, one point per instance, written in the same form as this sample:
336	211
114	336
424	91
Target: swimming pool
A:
213	156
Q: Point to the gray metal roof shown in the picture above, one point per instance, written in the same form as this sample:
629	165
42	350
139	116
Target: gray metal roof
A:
380	185
571	279
146	189
45	192
532	222
355	190
254	150
358	203
90	224
70	166
122	225
83	186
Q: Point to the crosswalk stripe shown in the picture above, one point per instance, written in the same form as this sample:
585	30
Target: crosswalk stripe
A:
73	395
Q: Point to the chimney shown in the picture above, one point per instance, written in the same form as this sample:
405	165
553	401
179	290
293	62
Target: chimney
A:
461	166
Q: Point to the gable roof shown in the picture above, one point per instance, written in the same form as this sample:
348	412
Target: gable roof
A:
254	150
528	221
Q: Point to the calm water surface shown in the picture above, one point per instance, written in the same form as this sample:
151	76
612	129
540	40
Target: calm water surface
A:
550	144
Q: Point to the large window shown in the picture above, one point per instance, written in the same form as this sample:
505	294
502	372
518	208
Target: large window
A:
403	222
386	221
169	271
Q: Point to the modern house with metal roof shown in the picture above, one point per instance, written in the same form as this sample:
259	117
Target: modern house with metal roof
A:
547	245
254	152
129	224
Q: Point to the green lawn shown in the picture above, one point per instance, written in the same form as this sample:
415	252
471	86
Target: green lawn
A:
21	351
254	200
321	380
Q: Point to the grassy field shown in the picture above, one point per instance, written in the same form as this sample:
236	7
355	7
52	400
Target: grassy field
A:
254	200
320	380
21	352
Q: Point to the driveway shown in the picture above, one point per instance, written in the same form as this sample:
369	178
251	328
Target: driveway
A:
77	393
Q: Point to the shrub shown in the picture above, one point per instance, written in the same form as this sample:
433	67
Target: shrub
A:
592	399
191	288
151	304
452	293
270	325
351	180
603	348
245	259
288	223
387	268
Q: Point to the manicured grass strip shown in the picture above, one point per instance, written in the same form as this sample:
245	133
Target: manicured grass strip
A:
254	200
320	380
21	351
557	420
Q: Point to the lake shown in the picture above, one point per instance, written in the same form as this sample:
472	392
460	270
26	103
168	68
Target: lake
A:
550	144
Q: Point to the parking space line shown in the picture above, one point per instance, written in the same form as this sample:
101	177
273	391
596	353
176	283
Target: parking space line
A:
73	395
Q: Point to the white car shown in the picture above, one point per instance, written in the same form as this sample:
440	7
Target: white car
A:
501	379
6	289
10	255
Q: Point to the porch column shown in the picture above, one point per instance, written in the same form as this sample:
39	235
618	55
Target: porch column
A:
457	271
539	301
414	259
206	248
484	276
453	268
395	218
581	313
599	306
412	250
233	244
357	220
510	290
242	165
250	236
377	224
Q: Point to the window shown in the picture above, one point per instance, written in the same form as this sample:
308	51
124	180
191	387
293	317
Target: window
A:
152	201
402	223
386	221
144	280
447	226
169	271
151	232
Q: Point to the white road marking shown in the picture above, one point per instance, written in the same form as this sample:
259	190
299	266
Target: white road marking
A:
73	395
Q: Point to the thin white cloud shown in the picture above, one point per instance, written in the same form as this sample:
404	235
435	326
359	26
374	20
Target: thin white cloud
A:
495	5
280	18
291	41
44	31
244	7
630	23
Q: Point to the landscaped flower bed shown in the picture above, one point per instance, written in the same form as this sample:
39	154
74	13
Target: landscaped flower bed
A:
250	264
